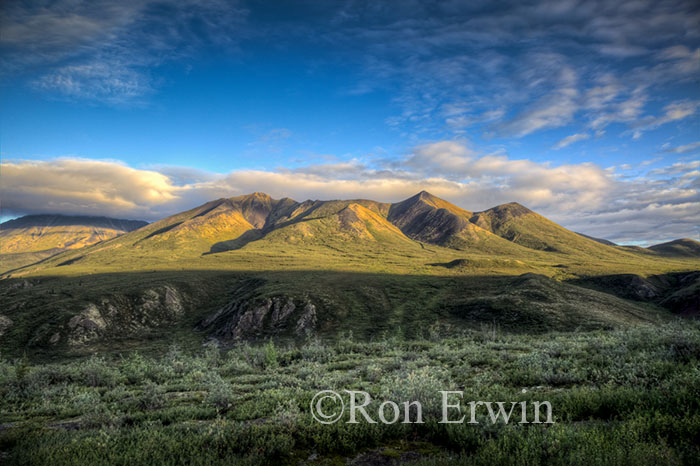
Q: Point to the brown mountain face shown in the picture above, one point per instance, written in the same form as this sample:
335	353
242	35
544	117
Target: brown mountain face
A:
196	230
684	247
427	218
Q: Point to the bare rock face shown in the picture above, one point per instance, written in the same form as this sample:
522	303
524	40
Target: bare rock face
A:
5	323
119	314
86	326
307	321
250	318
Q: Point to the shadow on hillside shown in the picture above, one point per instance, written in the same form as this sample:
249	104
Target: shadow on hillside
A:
163	305
237	243
676	291
256	234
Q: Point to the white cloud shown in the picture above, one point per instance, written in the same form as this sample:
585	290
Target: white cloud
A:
672	112
570	140
684	148
551	111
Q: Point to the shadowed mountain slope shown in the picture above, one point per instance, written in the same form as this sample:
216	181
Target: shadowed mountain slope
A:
598	240
429	219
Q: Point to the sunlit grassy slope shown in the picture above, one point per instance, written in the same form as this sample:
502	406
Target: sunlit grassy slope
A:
29	239
257	233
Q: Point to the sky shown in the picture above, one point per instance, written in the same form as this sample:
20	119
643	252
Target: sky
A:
587	112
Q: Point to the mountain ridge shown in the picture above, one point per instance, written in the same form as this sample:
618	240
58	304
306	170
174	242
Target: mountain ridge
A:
257	222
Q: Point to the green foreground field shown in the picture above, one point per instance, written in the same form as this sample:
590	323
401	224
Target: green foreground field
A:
627	396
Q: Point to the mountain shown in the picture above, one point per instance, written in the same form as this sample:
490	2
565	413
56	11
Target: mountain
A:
256	225
41	232
197	229
684	247
32	238
429	219
526	228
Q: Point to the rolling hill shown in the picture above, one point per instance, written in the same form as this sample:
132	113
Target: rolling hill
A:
684	247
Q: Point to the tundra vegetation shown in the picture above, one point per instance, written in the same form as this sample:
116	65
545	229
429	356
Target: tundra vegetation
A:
624	396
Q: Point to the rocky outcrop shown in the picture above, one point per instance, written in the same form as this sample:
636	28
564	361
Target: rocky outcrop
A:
251	318
118	315
307	321
677	291
86	326
5	324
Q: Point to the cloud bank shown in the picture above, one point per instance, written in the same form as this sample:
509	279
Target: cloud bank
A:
620	204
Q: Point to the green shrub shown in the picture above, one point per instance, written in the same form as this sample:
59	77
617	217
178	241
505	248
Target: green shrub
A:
152	397
219	392
97	372
271	357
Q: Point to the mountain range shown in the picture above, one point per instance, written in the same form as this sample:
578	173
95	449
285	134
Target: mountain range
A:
231	223
251	266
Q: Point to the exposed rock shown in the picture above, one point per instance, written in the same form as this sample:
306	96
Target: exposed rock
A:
20	284
281	312
86	326
307	322
120	314
173	301
55	338
250	318
5	323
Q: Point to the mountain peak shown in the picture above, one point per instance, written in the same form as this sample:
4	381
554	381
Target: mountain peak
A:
512	208
253	196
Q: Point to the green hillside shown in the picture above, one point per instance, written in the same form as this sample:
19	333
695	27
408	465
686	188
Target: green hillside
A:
29	239
524	227
684	247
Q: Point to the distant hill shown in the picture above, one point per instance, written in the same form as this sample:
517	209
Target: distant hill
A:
684	247
34	237
599	240
529	229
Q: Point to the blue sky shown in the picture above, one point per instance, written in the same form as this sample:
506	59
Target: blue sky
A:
588	112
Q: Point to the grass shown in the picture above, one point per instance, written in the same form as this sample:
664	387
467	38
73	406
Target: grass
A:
629	396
